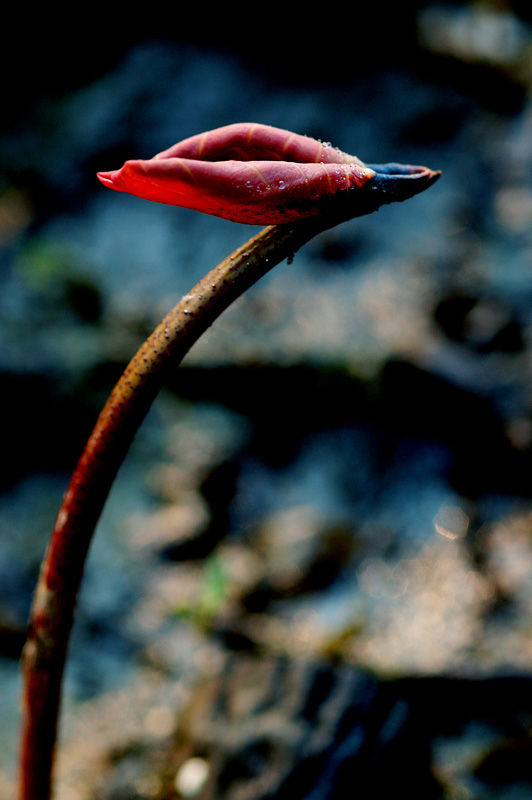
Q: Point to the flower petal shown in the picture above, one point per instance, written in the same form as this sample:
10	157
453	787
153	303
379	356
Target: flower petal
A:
254	192
249	141
260	175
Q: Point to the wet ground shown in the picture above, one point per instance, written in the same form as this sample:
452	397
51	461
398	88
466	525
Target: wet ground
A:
342	465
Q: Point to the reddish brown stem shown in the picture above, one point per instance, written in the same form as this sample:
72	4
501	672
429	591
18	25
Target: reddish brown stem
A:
57	588
55	596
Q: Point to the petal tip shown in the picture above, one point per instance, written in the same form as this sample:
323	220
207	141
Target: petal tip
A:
107	178
402	181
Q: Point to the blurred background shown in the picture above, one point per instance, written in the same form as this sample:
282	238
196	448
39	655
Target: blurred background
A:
341	467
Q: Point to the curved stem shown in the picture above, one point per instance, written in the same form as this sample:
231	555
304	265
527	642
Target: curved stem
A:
61	572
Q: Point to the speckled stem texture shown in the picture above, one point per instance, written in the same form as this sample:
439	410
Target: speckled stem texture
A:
55	596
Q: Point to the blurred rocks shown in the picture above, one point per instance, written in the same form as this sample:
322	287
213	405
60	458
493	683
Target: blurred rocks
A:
341	466
486	36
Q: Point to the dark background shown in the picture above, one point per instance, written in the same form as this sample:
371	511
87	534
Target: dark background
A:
353	401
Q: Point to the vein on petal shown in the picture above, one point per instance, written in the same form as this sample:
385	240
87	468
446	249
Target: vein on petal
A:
302	171
203	142
186	168
252	130
331	185
288	142
348	175
261	176
319	151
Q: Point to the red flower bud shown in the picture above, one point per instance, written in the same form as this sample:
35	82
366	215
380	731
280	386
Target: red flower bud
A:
264	176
